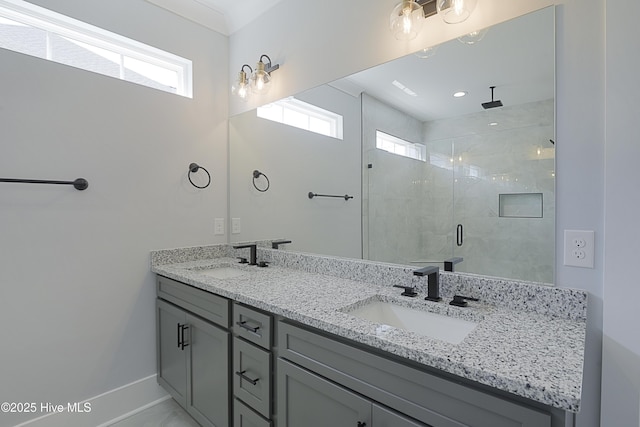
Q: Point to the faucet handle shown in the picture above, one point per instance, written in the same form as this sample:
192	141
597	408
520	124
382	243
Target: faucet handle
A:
460	300
243	260
409	291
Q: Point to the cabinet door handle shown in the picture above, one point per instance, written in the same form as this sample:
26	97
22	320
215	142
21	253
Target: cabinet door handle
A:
246	378
244	325
459	235
183	344
178	334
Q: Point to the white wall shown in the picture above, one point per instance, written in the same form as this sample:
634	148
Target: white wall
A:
340	38
621	340
76	293
298	162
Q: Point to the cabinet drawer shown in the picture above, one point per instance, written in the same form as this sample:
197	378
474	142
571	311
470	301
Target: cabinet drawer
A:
246	417
429	398
205	304
252	325
252	376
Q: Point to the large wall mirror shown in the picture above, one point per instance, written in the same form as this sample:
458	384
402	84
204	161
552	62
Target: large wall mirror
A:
433	176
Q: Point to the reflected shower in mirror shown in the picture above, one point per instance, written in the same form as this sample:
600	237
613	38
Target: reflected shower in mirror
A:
437	167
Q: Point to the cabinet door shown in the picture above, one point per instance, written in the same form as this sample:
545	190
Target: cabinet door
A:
209	388
305	399
383	417
172	359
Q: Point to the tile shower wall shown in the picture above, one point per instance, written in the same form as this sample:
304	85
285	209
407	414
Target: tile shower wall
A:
414	206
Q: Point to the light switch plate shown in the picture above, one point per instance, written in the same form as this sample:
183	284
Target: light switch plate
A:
235	226
218	226
579	248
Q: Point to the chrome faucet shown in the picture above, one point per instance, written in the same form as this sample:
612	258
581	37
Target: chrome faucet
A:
252	253
433	282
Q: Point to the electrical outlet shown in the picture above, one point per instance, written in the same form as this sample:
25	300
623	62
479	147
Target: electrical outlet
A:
579	248
235	226
218	226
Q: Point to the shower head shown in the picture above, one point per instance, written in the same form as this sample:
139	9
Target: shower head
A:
492	103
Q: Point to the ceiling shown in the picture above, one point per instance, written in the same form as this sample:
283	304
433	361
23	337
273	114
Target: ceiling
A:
223	16
516	56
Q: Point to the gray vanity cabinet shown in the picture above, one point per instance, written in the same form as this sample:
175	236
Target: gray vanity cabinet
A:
172	359
193	352
383	417
335	372
306	399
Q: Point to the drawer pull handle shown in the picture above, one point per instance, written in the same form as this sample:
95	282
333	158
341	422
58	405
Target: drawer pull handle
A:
183	343
246	378
244	325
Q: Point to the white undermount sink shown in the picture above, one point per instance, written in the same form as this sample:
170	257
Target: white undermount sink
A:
222	272
438	326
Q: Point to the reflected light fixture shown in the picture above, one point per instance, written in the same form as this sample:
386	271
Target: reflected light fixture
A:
455	11
473	37
406	19
427	52
241	86
261	78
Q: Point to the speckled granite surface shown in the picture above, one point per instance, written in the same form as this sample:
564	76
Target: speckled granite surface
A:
529	339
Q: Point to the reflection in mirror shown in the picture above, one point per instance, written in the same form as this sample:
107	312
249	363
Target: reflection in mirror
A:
434	175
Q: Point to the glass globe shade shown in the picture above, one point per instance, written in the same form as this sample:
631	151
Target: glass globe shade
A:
455	11
473	37
406	19
241	87
260	80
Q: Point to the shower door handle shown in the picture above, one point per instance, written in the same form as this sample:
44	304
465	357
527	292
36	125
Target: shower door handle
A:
459	235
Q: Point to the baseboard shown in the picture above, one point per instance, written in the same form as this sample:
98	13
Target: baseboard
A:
106	408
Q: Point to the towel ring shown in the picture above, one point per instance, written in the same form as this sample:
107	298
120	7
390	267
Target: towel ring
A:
256	175
193	168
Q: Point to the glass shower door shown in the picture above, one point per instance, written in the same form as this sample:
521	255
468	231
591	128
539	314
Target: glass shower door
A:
503	197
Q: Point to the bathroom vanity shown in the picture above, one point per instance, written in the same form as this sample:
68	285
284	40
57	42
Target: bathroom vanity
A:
306	342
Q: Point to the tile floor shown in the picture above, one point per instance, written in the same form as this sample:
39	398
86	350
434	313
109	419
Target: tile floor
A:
165	414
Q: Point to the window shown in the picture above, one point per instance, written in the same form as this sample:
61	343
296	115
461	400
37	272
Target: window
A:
400	147
39	32
296	113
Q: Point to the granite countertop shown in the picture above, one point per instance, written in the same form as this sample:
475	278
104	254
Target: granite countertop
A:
529	353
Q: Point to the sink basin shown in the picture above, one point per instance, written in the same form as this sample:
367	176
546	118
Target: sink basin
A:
438	326
222	273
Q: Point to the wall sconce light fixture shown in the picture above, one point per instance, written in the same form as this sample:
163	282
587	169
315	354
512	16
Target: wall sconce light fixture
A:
241	86
406	20
261	77
455	11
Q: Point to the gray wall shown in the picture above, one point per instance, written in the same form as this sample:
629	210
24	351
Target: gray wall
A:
621	341
76	293
580	109
298	162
